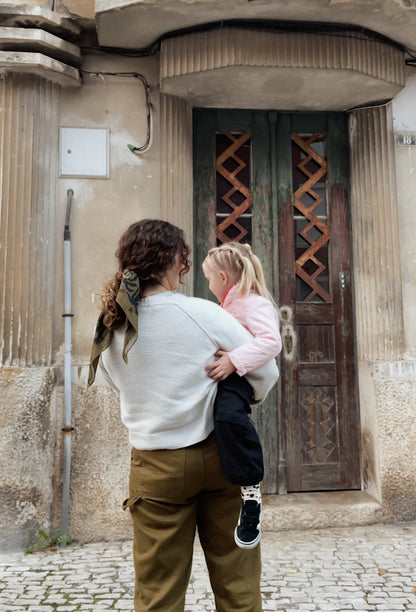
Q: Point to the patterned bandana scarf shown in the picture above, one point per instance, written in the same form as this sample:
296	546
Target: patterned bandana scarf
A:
128	299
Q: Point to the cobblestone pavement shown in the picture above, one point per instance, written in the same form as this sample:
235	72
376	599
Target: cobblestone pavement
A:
360	568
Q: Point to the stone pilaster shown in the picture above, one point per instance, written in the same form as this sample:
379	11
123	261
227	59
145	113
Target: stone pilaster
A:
377	276
176	165
28	167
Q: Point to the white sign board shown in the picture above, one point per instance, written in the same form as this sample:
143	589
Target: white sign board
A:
405	140
84	152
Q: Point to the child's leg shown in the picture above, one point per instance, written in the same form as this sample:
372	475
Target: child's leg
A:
239	446
240	453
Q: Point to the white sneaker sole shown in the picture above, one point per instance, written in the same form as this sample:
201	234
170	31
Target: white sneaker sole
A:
246	545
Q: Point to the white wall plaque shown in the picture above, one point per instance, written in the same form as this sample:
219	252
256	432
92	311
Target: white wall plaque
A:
84	152
405	140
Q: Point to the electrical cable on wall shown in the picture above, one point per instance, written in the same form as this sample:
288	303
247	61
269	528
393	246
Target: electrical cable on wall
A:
149	116
342	30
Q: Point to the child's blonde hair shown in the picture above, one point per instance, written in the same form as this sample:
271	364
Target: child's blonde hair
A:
244	268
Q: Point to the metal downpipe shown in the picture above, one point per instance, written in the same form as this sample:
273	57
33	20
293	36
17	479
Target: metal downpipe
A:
67	429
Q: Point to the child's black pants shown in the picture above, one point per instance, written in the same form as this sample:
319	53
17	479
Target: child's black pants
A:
239	447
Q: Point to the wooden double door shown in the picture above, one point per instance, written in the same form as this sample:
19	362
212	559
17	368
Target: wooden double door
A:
280	182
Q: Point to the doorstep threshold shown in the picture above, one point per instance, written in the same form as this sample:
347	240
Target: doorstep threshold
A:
321	510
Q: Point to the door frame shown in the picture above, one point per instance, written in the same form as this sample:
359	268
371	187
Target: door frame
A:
269	123
335	125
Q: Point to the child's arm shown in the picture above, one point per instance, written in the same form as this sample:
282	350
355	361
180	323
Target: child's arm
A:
261	321
223	367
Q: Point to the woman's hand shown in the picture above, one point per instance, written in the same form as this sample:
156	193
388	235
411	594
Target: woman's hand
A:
220	369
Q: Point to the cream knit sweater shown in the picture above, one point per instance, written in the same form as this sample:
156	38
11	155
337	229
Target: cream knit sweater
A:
166	396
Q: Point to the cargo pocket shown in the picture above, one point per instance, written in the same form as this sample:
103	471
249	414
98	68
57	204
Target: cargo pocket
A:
133	499
156	474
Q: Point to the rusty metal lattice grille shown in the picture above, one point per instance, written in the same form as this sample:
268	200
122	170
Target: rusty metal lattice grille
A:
233	187
310	214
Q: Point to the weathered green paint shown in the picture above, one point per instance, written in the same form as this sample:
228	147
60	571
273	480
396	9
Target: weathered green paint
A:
273	242
204	195
206	123
299	377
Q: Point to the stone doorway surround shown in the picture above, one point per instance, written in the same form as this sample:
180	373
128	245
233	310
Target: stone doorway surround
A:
305	71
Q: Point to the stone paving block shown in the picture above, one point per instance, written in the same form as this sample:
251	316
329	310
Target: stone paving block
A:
124	605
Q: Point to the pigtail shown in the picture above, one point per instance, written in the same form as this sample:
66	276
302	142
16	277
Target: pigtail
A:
243	267
259	283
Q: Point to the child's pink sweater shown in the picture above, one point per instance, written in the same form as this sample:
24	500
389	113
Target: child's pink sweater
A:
258	315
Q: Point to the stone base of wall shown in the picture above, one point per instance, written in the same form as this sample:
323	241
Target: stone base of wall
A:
321	510
395	393
28	424
100	468
31	442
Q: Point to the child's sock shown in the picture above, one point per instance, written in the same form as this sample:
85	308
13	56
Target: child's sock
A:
251	492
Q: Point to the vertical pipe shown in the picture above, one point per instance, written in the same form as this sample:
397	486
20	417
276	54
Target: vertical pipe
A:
67	429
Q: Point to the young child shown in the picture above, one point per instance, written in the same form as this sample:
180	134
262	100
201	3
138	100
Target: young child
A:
236	279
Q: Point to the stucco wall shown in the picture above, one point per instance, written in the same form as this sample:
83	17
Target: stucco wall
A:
31	400
102	209
29	458
388	388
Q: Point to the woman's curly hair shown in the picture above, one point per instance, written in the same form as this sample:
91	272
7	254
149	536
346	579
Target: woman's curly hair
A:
149	248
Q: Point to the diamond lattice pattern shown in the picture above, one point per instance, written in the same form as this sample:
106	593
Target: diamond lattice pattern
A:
309	267
238	196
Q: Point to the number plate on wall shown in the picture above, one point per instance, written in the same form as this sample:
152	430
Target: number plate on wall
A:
406	140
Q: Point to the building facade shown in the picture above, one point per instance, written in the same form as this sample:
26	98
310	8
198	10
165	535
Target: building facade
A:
288	125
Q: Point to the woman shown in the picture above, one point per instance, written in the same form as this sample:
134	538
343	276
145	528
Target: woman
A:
152	346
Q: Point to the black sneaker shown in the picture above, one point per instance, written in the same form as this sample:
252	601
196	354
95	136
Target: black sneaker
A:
247	534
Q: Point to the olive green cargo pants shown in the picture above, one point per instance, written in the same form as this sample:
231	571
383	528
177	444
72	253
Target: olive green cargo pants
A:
173	493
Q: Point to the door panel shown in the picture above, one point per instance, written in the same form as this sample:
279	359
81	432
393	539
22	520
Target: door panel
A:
320	409
280	182
233	200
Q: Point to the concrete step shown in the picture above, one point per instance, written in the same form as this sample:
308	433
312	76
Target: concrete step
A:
321	510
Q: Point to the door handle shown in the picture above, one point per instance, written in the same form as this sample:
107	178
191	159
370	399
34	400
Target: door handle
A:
288	333
288	339
342	280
